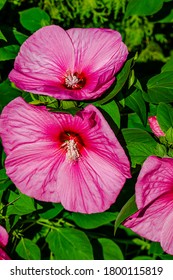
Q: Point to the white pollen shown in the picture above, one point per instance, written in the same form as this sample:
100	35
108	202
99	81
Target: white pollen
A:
71	80
72	150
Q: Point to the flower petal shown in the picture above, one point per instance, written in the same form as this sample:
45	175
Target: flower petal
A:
22	123
91	185
167	234
3	237
98	50
104	141
29	138
40	167
33	168
148	222
43	60
155	179
96	179
103	57
3	255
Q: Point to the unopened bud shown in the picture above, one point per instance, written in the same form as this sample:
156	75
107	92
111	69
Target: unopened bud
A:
155	127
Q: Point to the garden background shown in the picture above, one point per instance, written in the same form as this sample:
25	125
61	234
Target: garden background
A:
144	87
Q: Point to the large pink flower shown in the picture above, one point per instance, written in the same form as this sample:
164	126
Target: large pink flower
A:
3	243
76	64
154	198
56	157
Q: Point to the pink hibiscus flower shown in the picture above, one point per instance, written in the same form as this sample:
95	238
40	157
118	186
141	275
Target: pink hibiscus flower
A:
154	198
155	127
56	157
3	243
76	64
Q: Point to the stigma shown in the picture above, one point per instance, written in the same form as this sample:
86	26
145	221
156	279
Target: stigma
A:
74	81
72	152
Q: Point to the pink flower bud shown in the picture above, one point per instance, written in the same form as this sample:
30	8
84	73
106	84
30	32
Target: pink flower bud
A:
155	127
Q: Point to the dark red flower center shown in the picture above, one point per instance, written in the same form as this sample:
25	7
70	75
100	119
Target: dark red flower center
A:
74	81
72	143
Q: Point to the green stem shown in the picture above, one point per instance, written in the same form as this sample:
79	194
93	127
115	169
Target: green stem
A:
46	225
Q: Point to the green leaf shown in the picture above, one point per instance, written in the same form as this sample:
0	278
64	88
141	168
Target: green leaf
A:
135	122
5	182
136	102
168	66
52	212
143	8
139	152
112	110
142	258
160	150
67	106
28	250
7	93
170	153
169	136
34	18
166	257
2	37
165	116
3	176
20	37
20	204
167	15
132	135
121	78
111	251
89	221
140	144
9	52
128	209
2	3
160	87
69	244
155	248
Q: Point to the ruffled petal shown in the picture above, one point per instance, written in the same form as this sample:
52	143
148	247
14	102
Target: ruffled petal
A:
104	141
22	123
91	185
30	139
3	237
149	221
43	59
99	54
92	89
167	234
98	50
96	179
33	168
155	179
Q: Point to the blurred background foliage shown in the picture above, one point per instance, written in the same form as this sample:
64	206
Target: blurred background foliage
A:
146	28
143	87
